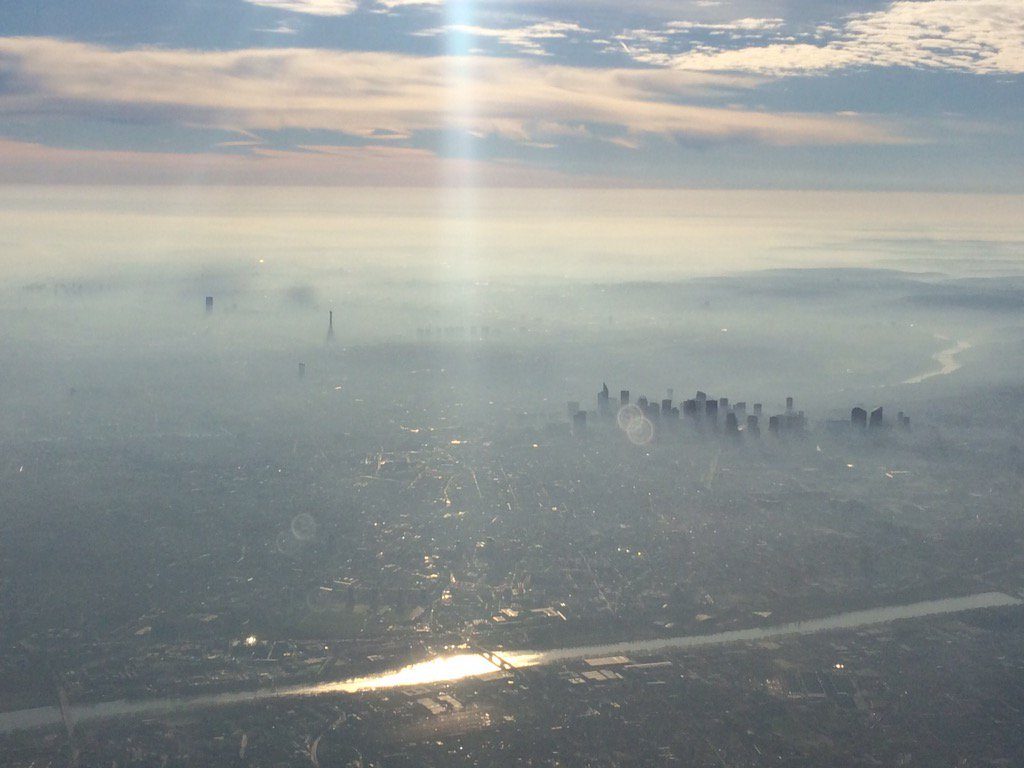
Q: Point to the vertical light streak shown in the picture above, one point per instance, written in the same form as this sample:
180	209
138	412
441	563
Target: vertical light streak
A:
460	183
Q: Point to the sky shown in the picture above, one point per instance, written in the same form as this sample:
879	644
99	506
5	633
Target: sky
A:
912	95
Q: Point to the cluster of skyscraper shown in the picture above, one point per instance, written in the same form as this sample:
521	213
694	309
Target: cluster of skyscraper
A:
707	412
701	410
861	419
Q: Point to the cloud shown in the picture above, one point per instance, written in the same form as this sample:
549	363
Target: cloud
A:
392	4
281	29
311	7
341	7
526	39
26	162
738	25
368	94
975	36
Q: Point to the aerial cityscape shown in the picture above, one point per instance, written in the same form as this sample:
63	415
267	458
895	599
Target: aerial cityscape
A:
352	555
512	384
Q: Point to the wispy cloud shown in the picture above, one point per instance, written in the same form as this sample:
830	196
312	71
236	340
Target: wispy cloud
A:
311	7
281	29
524	39
365	94
748	24
974	36
391	4
27	162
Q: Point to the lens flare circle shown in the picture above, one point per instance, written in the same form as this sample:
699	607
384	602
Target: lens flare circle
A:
627	416
641	432
638	428
304	527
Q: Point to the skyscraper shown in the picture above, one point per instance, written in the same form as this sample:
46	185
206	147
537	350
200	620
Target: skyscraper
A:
603	403
330	325
876	417
859	418
711	410
732	426
579	423
209	304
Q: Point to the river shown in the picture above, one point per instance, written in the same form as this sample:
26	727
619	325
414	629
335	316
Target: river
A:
471	665
947	360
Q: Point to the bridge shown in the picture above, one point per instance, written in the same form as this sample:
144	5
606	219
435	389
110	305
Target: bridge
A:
498	661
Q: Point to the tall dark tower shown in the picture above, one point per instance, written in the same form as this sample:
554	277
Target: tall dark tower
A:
859	418
732	424
875	419
603	404
330	325
209	304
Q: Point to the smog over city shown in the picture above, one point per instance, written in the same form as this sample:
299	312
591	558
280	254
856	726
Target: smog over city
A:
492	383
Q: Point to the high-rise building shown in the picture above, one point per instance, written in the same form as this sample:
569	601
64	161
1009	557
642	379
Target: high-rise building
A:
624	397
666	406
701	399
758	409
330	325
795	422
875	420
711	410
789	405
209	304
859	418
579	423
774	424
753	430
302	370
723	404
603	403
732	426
690	408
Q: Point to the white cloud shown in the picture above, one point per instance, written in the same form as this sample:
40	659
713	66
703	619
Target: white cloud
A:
391	4
374	94
281	29
525	39
738	25
311	7
976	36
26	162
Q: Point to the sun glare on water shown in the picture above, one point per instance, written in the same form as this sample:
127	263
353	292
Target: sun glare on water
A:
438	670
